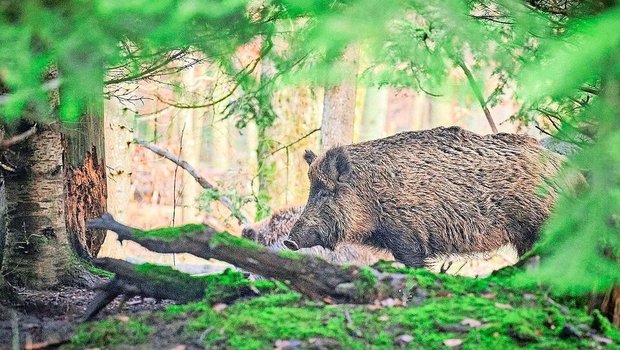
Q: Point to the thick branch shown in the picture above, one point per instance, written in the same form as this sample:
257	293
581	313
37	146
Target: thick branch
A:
477	92
159	282
309	275
204	183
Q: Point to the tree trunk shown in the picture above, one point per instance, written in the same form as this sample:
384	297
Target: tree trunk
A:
339	105
37	252
374	113
85	181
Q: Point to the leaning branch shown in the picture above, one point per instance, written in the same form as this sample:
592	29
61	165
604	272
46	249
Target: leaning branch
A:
477	92
204	183
11	141
311	276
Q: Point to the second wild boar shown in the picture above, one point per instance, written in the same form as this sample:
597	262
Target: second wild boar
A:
274	230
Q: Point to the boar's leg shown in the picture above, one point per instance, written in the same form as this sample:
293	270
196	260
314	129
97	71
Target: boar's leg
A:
405	249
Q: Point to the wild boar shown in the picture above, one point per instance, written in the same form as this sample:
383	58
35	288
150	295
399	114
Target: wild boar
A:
430	193
273	231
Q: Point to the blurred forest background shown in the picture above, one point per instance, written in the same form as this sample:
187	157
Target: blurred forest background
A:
153	192
239	88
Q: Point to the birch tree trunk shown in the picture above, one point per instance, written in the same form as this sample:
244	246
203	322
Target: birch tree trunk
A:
37	251
339	105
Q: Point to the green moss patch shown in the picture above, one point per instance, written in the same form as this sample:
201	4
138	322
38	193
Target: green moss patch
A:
114	332
171	233
489	313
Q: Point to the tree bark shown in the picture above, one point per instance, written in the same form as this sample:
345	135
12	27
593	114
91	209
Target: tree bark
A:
339	105
37	251
85	180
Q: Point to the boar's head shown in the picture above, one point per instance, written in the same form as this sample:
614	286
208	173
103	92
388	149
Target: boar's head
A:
334	205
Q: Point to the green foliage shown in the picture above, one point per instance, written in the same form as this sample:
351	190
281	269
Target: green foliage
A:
39	37
209	196
581	240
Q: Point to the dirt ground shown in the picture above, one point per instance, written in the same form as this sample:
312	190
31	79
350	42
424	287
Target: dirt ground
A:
44	319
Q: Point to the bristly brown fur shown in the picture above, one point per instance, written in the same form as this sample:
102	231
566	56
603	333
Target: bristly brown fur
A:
428	193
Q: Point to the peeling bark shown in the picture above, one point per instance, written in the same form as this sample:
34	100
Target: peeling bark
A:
610	306
85	198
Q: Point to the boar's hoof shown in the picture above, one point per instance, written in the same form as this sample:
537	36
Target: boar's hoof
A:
291	245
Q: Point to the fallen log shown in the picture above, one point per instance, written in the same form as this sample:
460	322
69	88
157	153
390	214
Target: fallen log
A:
309	275
163	282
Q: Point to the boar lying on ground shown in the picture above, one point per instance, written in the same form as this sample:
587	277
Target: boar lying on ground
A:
273	231
428	193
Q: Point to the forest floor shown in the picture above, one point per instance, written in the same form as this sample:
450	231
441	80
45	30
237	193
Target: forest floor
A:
441	312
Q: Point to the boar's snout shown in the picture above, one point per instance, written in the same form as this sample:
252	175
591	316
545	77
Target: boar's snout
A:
249	233
291	245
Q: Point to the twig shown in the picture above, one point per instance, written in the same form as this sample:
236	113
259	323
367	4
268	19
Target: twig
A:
590	90
174	183
249	68
294	142
147	71
477	92
5	144
204	183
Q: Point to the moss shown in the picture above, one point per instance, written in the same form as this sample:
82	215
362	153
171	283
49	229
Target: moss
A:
290	255
224	238
171	233
510	317
97	271
602	324
365	283
110	333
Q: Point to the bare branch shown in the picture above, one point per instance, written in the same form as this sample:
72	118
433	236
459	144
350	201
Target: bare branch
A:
477	92
5	144
148	71
294	142
246	70
204	183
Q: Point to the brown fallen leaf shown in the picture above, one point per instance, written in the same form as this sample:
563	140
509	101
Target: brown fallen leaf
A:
403	340
451	343
178	347
122	318
489	295
503	306
219	307
471	323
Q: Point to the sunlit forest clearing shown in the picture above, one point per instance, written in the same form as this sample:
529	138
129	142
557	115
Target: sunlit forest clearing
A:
310	175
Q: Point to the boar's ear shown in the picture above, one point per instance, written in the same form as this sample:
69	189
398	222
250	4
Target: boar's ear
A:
309	156
339	165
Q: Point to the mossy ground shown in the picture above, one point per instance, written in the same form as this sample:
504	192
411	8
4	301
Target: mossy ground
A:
510	316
